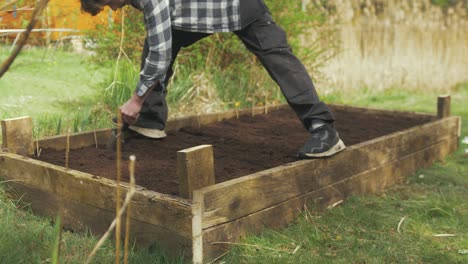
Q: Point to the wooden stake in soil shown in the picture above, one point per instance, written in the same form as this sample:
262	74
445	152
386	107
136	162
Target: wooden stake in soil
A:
195	168
38	150
236	106
253	106
443	106
95	138
117	189
18	135
67	150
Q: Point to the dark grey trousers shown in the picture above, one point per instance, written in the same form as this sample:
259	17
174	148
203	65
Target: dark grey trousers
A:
264	38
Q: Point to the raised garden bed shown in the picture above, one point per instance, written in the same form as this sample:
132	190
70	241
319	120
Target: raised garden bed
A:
259	181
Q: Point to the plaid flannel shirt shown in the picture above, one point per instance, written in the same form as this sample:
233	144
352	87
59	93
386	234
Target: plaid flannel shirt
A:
206	16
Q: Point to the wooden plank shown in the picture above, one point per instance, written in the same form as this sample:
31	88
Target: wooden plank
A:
381	112
233	199
101	136
82	217
205	119
443	106
77	140
195	169
154	208
367	182
18	135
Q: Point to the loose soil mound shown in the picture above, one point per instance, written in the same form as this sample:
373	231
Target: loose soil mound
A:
241	146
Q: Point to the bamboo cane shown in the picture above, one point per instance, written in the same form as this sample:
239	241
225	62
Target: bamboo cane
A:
127	224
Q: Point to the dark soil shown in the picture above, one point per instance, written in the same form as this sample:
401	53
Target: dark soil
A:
241	147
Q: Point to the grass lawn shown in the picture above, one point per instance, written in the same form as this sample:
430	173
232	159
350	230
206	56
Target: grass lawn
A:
43	82
53	87
423	221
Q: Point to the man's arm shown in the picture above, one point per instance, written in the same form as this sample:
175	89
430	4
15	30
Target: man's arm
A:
156	64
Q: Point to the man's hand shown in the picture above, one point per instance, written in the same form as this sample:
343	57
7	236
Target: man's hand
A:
131	109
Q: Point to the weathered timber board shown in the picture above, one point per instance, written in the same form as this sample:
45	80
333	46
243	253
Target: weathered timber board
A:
230	200
280	215
79	217
380	112
18	135
205	119
195	169
101	136
77	140
161	210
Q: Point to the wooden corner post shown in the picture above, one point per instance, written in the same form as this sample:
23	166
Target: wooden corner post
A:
195	168
18	135
443	106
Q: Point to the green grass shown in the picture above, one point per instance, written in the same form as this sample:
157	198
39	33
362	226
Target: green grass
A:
44	82
365	229
55	88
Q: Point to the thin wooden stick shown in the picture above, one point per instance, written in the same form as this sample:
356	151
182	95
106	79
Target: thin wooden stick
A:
117	189
122	36
119	149
127	224
253	105
37	30
38	150
236	106
266	104
67	150
95	138
37	11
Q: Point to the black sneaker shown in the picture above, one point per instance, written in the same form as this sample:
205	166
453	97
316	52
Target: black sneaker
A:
323	142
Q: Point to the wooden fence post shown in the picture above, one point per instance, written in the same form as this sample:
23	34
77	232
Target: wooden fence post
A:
195	168
18	135
443	106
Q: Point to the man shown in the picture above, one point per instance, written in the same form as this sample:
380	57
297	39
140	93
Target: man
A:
173	24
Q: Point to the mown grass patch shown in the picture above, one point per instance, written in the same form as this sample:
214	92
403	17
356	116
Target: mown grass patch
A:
42	81
54	87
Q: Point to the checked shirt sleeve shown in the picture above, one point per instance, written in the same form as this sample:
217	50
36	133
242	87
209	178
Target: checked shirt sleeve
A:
159	37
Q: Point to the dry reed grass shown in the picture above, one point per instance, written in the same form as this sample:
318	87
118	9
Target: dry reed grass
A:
201	97
395	43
